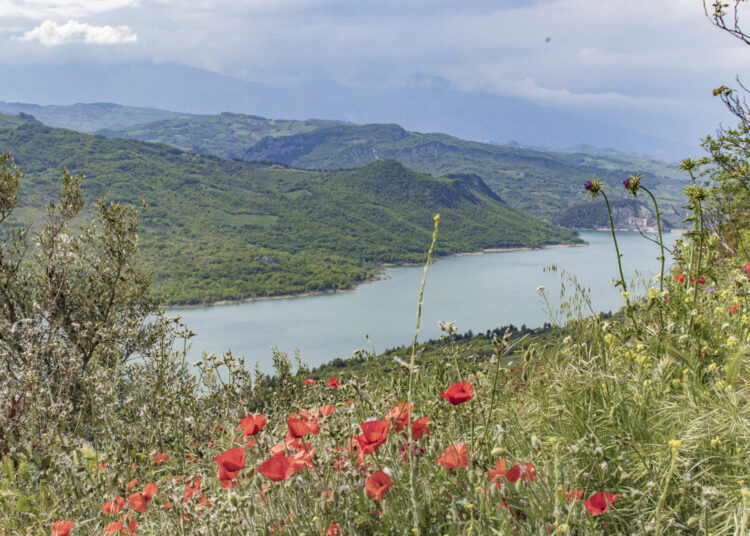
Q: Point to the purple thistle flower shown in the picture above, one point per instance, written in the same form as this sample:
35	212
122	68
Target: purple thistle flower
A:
626	182
587	186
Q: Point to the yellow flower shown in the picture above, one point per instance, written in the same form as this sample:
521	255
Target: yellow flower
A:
675	444
608	338
731	341
625	295
715	442
653	293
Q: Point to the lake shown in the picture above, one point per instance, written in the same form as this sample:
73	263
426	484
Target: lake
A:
477	292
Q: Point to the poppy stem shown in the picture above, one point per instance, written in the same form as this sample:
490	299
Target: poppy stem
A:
411	373
663	496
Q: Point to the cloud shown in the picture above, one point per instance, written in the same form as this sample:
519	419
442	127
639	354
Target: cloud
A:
51	34
42	9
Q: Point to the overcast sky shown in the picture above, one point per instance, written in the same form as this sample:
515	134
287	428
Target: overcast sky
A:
639	56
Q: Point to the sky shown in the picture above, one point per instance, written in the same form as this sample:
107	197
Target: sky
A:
632	60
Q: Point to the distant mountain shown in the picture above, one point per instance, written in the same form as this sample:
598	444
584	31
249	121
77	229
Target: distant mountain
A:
89	117
225	134
476	116
227	229
542	183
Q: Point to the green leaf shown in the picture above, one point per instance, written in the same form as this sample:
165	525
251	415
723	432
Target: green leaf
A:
8	469
24	474
732	368
24	504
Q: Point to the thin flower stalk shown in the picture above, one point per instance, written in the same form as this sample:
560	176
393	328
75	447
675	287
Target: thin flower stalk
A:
412	364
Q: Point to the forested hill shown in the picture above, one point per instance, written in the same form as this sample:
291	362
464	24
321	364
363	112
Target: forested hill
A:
228	229
541	182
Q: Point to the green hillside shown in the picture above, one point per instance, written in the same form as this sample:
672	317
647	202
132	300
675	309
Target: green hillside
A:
228	229
542	183
12	121
226	134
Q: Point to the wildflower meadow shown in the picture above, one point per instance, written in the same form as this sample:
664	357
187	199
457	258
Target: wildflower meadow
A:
634	424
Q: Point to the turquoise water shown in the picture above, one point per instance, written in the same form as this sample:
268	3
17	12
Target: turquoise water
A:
478	292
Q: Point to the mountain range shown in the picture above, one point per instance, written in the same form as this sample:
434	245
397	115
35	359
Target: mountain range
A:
434	107
540	182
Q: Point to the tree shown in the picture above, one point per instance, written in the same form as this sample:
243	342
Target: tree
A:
74	306
728	210
726	16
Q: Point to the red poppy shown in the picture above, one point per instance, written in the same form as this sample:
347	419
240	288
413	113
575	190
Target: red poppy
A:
527	473
680	278
279	468
278	449
378	484
121	526
325	411
458	393
230	462
160	458
276	468
100	466
139	501
599	502
308	381
575	494
301	460
374	434
333	530
114	506
399	416
513	474
454	456
701	281
191	490
130	485
498	473
420	428
746	268
252	424
301	423
297	427
62	528
334	382
733	308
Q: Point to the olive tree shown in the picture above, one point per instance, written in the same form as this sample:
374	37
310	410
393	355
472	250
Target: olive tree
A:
74	307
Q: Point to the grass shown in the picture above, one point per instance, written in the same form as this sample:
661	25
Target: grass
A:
650	407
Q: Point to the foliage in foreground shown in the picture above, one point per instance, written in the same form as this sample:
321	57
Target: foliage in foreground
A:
637	424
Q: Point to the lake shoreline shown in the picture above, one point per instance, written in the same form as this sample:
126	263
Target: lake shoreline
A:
379	275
